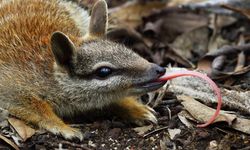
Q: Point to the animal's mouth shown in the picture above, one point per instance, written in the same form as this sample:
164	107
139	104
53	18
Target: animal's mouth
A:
150	85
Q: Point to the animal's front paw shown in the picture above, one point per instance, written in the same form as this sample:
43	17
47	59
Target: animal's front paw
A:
130	109
71	133
67	132
142	115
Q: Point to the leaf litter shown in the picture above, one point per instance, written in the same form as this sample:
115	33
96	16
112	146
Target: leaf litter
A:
211	36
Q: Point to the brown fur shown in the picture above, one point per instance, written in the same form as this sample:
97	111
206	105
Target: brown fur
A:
18	40
45	75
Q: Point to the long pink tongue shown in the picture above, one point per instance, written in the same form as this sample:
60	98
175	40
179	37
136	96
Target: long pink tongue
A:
215	88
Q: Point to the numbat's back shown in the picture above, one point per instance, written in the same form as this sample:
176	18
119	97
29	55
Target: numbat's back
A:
56	62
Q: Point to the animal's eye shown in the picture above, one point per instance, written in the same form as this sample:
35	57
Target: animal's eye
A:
103	72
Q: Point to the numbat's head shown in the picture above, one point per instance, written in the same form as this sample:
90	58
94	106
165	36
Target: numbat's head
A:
99	67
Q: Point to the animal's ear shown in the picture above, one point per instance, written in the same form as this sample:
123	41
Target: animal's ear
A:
99	20
63	49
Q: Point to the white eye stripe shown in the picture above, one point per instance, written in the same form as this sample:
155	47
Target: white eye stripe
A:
103	64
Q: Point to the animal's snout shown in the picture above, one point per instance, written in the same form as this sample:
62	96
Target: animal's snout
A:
158	70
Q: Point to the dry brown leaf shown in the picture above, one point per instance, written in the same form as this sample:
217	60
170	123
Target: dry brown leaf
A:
242	125
226	53
169	23
185	117
21	128
221	21
240	62
243	11
195	41
173	133
13	145
143	130
216	42
223	74
229	50
220	53
218	62
171	53
131	13
202	112
183	2
214	5
237	123
205	65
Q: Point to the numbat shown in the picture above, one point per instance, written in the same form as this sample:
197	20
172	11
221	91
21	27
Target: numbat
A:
55	62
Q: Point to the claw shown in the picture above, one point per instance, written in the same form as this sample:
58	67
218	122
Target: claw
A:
151	110
72	133
151	117
67	132
148	115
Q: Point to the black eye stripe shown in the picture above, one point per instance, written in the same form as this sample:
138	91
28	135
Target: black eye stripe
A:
93	75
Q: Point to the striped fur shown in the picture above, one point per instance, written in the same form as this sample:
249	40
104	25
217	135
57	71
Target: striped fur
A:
35	89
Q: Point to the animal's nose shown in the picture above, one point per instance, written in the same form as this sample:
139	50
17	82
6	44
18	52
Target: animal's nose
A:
160	70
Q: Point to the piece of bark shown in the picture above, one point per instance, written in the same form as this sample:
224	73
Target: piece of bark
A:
203	113
199	89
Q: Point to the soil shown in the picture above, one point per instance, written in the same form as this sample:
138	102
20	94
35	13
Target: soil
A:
106	133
